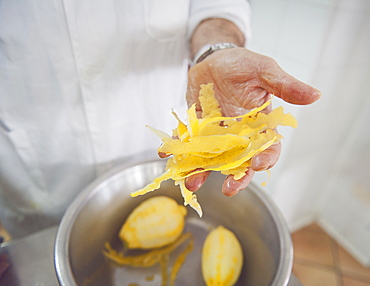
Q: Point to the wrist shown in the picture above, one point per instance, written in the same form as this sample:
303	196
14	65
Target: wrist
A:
207	50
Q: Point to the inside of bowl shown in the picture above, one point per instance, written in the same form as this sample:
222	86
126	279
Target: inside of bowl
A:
103	211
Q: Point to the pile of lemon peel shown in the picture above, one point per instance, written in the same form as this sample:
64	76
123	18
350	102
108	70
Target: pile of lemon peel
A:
216	143
156	256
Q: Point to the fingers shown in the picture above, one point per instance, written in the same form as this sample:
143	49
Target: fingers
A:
263	161
194	182
275	80
266	159
231	187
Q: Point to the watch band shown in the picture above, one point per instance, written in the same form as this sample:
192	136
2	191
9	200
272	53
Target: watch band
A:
207	50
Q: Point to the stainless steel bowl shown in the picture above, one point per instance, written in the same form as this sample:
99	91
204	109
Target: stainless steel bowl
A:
97	214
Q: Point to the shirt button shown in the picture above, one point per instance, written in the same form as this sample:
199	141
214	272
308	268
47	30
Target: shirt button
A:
89	73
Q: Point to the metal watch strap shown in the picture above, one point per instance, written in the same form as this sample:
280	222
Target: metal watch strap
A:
210	49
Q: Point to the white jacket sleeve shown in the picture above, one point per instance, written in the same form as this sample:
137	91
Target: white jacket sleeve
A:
236	11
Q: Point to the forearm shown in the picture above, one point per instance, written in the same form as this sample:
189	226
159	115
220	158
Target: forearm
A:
213	31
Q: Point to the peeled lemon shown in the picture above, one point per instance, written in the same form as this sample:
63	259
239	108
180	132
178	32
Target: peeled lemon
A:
156	222
222	258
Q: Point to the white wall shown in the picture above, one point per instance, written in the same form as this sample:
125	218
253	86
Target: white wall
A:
322	171
344	210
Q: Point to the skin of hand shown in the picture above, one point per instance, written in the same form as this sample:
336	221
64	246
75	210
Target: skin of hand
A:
244	80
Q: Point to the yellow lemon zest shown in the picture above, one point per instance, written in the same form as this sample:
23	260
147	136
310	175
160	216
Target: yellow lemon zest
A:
216	143
154	256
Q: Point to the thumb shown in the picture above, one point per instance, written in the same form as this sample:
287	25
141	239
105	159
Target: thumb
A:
276	81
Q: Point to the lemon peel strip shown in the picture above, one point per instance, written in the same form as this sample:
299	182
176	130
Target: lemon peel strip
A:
147	259
153	185
189	197
163	135
181	127
263	184
208	102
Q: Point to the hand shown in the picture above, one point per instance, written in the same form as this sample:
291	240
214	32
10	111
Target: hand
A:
242	81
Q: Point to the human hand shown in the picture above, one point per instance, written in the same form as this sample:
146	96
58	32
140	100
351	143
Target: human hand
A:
242	81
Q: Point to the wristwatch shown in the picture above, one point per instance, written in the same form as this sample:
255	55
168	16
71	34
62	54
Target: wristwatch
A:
207	50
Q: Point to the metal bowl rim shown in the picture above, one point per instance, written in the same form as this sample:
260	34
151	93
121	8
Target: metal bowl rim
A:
64	271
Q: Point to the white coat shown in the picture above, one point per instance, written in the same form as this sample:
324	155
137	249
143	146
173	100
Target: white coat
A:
79	80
